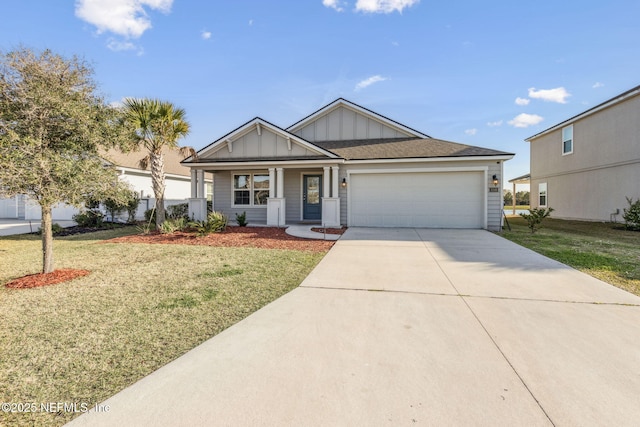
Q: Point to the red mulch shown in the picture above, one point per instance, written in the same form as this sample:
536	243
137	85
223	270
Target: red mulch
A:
46	279
254	237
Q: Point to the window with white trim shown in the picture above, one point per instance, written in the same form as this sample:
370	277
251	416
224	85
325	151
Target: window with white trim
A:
542	194
250	189
567	140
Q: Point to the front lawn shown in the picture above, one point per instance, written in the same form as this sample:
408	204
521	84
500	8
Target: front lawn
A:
141	307
603	250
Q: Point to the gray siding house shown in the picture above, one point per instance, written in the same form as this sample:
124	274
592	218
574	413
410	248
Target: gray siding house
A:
586	166
347	165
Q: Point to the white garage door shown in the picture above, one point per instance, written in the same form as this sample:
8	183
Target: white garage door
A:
424	199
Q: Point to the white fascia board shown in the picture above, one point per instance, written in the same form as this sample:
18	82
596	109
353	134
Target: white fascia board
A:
354	107
131	171
430	159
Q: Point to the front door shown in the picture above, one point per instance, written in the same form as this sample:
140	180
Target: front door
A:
311	191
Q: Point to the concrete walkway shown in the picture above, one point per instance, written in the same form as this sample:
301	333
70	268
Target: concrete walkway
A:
305	231
405	327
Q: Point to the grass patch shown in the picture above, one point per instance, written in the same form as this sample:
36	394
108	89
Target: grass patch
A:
141	307
603	250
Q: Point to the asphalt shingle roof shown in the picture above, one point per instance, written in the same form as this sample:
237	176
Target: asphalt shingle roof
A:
399	148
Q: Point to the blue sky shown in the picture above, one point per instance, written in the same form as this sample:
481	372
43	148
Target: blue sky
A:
481	73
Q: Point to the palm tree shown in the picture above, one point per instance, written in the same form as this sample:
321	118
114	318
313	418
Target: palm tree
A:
155	125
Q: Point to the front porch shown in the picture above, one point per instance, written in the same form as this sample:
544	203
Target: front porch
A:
306	191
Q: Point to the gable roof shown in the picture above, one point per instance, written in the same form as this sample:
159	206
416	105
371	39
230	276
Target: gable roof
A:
341	102
606	104
258	124
402	148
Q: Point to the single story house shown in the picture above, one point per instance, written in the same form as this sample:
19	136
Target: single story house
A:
586	166
177	180
347	165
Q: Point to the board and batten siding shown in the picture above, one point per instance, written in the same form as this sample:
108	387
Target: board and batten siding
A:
344	124
265	145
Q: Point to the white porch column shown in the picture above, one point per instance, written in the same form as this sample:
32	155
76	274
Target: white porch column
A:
334	181
194	183
272	182
276	206
200	189
325	181
280	183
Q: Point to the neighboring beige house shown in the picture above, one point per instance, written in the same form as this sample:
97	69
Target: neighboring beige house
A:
347	165
178	187
586	166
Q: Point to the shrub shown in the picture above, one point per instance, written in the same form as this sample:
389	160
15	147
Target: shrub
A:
632	214
241	219
150	215
178	211
535	217
132	207
90	218
215	223
55	229
172	225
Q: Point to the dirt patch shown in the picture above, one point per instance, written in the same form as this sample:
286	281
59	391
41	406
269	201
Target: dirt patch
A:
254	237
329	230
46	279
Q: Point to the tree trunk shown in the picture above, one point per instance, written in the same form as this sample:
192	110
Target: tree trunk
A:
157	178
47	240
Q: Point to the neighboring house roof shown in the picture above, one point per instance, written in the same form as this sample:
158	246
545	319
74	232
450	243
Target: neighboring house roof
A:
401	148
341	102
524	179
130	160
606	104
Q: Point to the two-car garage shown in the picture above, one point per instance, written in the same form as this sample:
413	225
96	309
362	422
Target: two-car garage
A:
433	199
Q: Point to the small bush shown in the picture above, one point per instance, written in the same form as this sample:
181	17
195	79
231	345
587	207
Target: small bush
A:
150	215
241	219
178	211
132	207
172	225
535	217
55	229
215	223
632	214
89	219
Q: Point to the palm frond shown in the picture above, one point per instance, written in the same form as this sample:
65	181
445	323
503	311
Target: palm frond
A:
144	162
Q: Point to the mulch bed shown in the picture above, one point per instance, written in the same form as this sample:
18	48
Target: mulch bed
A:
46	279
254	237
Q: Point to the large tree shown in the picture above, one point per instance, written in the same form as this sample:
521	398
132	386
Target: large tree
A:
156	125
52	124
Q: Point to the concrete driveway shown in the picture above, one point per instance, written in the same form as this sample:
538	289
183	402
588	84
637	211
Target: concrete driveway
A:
411	326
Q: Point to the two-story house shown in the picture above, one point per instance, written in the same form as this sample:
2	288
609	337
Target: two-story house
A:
586	166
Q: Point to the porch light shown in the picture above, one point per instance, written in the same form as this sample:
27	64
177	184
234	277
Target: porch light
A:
495	180
344	183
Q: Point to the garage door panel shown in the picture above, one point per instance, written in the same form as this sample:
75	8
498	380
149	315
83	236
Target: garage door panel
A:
429	199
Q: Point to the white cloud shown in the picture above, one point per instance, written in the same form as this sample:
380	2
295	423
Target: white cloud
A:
206	35
596	85
126	18
383	6
558	94
368	82
495	124
119	46
250	22
471	131
333	4
525	120
522	101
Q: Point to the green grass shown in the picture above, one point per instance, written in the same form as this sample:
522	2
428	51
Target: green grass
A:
141	307
603	250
